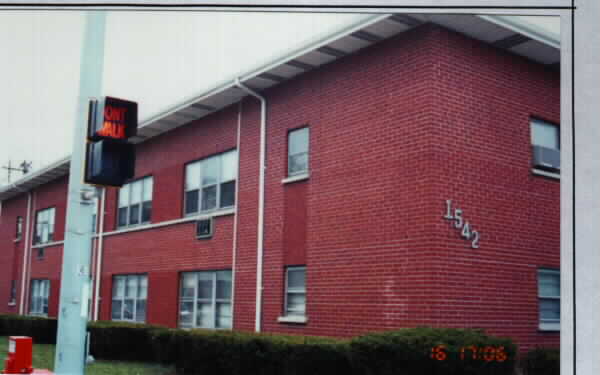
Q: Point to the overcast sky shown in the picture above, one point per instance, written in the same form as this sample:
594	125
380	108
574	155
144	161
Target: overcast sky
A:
155	58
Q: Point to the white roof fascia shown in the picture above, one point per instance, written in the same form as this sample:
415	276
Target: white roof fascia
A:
525	28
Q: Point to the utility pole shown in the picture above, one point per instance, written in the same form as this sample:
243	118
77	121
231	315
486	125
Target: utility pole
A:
75	276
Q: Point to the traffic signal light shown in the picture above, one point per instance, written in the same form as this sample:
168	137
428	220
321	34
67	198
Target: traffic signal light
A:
110	158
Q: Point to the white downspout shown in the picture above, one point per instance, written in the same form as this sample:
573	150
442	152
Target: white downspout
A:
235	221
99	246
261	200
24	264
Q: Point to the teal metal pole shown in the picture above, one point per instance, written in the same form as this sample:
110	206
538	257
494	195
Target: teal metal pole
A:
75	284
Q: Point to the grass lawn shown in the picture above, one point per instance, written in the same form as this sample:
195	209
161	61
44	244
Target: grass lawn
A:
43	357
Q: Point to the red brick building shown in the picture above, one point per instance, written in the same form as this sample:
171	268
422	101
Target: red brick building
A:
370	161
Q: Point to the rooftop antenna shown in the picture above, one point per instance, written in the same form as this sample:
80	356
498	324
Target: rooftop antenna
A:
25	167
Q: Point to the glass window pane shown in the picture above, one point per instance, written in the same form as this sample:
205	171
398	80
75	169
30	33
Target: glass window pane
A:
140	311
186	311
210	171
298	141
134	214
119	287
46	288
45	233
227	194
209	198
192	176
136	192
143	287
223	315
51	216
544	134
296	279
146	211
116	309
148	182
549	309
296	303
229	166
205	285
132	287
128	310
549	285
191	201
204	316
188	285
124	195
298	163
122	221
224	285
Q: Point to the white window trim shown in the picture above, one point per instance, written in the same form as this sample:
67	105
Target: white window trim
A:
307	152
141	203
194	300
50	234
287	317
218	184
126	276
540	172
295	178
548	324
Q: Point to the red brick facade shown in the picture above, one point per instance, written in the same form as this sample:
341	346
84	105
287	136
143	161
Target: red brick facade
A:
395	131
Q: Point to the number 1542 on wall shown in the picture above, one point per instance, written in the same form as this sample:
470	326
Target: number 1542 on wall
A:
467	231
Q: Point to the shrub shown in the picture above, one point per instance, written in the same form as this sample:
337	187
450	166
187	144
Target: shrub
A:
41	330
122	341
412	351
540	361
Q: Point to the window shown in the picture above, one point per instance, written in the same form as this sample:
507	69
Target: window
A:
545	134
298	152
44	226
94	214
40	290
129	298
205	300
40	253
19	229
210	183
549	299
13	292
135	202
295	291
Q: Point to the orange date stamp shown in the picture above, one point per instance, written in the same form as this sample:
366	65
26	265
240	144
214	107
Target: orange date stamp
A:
484	353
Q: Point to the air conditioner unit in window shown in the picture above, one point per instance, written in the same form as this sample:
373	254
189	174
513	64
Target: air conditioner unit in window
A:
546	158
204	228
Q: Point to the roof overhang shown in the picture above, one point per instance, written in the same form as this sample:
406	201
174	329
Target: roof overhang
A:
501	31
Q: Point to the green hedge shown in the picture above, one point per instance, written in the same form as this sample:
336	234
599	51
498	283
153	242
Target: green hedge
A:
197	351
41	330
409	351
542	361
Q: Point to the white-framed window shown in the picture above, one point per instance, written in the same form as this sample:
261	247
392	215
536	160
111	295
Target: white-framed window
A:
205	300
210	183
549	298
295	291
44	226
135	202
94	213
298	148
545	134
129	296
13	292
19	227
40	291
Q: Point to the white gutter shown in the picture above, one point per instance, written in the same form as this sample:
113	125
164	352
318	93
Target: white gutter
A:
23	265
99	247
235	219
261	200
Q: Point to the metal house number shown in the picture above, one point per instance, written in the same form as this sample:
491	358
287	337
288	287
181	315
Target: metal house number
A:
467	231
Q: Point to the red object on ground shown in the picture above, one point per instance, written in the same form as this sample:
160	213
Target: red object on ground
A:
19	355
